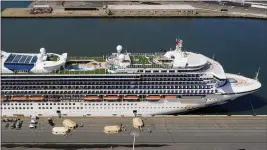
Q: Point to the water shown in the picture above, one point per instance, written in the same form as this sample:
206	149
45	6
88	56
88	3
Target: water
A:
238	44
17	4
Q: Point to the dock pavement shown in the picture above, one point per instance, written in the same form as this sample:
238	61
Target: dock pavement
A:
203	10
168	132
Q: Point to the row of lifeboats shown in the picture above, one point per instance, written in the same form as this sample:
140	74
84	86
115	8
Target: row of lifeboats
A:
22	98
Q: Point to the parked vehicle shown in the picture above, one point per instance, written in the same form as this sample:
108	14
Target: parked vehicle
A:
33	117
7	120
33	121
32	126
112	129
13	126
18	124
4	120
60	130
69	124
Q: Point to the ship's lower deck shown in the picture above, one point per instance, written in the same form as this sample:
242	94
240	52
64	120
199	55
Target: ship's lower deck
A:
107	108
111	108
93	108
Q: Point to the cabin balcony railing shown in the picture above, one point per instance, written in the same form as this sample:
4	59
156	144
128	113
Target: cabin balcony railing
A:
36	83
105	88
103	92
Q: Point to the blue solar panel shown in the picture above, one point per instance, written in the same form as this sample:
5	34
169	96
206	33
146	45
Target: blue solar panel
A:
34	59
29	58
16	59
22	60
10	58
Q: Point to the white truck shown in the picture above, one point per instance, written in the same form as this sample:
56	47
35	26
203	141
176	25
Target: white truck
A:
60	130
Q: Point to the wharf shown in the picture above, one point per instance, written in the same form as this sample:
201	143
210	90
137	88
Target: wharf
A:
202	9
168	132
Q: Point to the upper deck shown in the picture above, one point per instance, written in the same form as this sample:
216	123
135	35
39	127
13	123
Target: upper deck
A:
172	61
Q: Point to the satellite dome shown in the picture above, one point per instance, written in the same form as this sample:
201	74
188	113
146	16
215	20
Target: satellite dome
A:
119	48
121	57
42	51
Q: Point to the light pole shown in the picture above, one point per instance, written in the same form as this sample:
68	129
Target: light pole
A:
134	134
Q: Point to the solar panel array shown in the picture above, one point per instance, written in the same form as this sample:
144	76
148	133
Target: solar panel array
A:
21	59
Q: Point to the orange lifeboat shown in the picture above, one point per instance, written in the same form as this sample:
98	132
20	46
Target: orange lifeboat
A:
19	98
91	98
131	97
38	98
111	97
170	96
153	97
3	98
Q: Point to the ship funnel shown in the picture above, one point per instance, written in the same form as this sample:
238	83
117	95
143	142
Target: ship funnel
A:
179	44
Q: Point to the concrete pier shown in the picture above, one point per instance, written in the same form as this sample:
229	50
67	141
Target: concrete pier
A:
173	132
202	10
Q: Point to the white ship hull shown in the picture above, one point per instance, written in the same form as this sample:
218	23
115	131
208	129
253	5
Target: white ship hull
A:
122	84
80	109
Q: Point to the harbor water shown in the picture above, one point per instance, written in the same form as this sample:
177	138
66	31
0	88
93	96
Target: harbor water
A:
238	44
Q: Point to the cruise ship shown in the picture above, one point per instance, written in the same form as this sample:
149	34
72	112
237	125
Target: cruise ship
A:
117	84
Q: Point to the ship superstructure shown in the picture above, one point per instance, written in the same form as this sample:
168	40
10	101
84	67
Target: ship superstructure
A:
118	84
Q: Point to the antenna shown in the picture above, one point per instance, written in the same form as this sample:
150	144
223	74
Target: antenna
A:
177	44
257	74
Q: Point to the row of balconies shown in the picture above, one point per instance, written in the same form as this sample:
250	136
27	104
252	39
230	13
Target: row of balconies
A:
115	80
44	92
105	87
105	83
